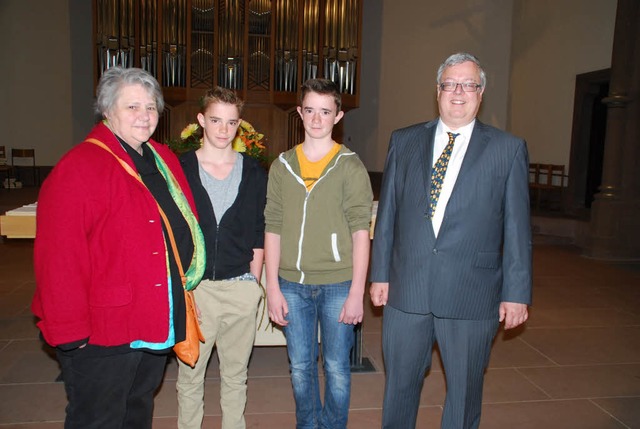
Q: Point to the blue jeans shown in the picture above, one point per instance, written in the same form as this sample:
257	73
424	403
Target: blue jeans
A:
310	305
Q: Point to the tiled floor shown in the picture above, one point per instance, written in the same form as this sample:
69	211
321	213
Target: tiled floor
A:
576	363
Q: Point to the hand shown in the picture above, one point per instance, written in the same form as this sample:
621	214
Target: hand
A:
277	306
352	310
379	293
513	314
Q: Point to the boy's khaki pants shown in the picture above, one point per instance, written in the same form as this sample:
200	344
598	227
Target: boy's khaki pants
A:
228	320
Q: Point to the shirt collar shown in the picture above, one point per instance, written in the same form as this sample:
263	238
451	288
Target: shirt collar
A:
463	131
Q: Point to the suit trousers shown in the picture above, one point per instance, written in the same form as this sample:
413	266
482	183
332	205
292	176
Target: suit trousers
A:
110	391
228	310
407	343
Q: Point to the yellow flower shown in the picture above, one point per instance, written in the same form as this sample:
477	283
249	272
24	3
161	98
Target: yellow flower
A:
188	131
190	138
238	145
247	127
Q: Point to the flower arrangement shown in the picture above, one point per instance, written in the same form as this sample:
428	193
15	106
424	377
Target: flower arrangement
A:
247	140
190	138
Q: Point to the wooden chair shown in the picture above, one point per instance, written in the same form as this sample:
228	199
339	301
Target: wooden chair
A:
26	158
546	178
6	170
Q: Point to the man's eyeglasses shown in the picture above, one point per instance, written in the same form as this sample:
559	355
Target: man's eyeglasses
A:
466	86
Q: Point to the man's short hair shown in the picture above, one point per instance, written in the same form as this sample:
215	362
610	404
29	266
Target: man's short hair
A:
459	58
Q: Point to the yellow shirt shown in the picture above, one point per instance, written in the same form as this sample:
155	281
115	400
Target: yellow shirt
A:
311	171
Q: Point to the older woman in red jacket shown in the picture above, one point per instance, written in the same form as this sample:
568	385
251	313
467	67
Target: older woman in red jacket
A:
108	291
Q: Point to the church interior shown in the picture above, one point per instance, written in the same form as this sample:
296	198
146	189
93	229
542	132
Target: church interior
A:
564	76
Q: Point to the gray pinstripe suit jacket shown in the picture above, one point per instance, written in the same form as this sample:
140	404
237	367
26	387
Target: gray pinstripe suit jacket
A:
482	254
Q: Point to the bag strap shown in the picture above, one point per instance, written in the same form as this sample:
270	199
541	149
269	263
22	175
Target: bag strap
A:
165	220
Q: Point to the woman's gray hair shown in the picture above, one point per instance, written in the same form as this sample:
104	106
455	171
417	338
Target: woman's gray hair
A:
459	58
114	78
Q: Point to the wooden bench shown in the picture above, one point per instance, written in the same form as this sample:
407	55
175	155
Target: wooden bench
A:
545	178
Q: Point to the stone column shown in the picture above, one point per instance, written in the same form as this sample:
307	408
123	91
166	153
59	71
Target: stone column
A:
615	213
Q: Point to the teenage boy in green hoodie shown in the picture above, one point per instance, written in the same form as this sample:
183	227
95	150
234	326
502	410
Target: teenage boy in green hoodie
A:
316	255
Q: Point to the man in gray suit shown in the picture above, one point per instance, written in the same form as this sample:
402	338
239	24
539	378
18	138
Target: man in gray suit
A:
452	249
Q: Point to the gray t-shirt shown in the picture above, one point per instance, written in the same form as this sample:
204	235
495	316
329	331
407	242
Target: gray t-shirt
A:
222	193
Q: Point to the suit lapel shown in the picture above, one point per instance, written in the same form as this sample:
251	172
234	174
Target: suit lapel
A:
426	154
426	159
477	145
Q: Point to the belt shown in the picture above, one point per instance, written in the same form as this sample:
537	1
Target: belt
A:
245	276
242	277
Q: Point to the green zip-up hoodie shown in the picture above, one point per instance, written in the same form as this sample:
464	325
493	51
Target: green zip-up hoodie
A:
315	226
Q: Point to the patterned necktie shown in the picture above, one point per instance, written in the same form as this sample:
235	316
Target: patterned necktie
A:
438	172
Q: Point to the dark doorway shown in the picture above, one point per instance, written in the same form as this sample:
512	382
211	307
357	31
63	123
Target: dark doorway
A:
598	132
587	139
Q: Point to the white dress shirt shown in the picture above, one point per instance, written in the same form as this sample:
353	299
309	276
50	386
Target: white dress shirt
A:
453	168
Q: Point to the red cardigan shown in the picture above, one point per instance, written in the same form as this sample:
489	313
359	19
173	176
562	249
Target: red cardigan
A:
99	252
